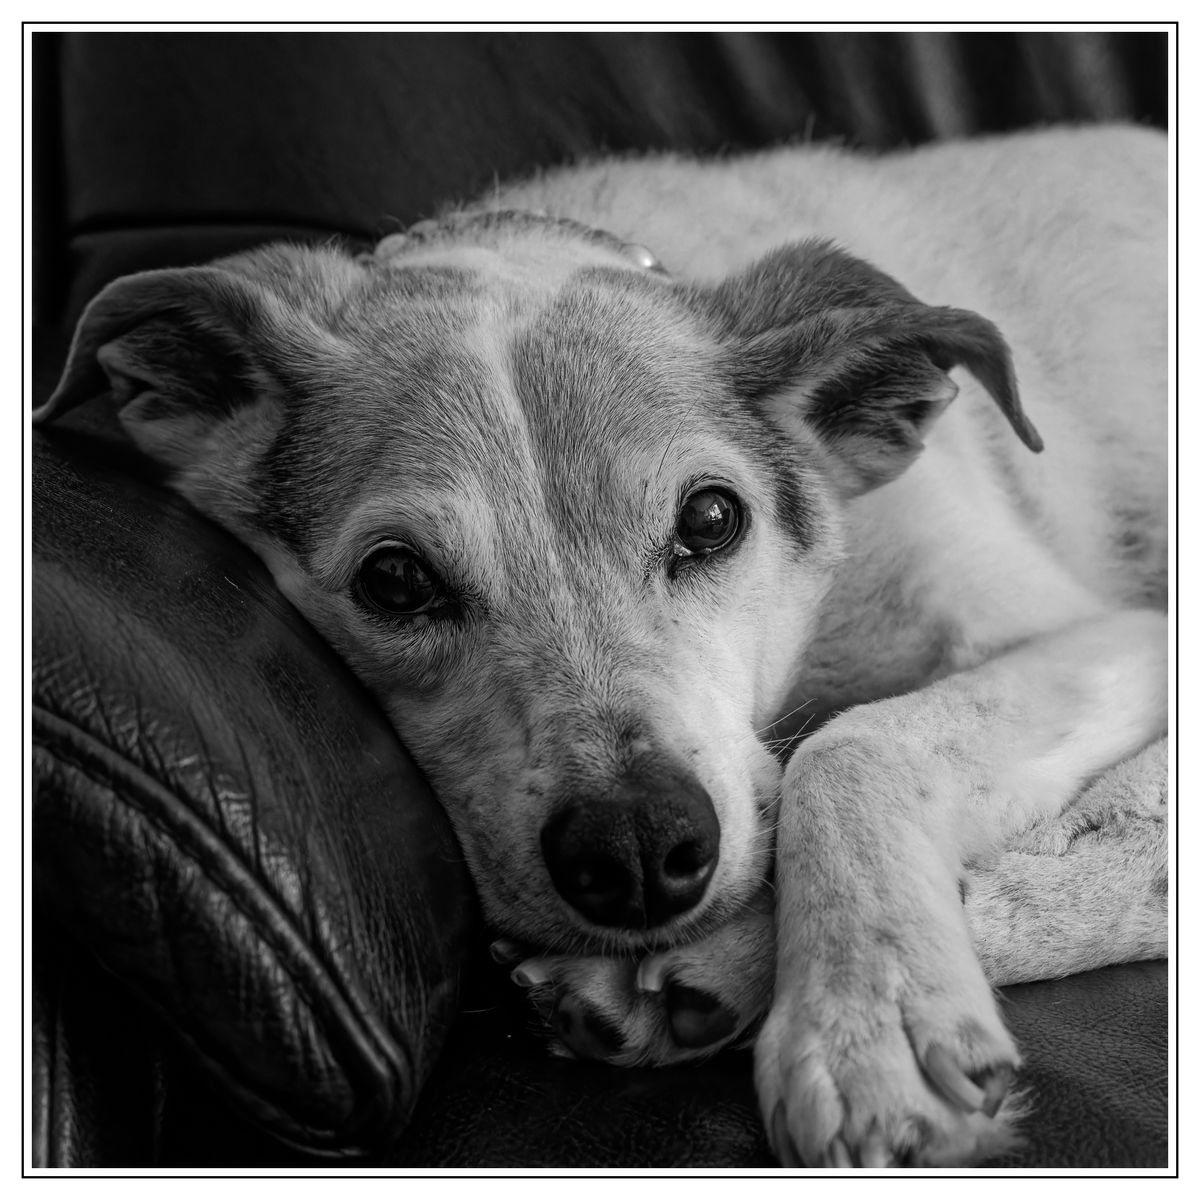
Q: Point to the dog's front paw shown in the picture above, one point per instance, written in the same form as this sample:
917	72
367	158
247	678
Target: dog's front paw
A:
915	1074
673	1006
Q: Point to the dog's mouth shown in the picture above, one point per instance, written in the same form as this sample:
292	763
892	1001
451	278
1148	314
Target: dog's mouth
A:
560	932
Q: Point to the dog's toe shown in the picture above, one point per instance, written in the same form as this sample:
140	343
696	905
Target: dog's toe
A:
507	952
697	1019
859	1092
586	1032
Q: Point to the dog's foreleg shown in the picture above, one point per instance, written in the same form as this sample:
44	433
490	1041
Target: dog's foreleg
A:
1081	890
884	1043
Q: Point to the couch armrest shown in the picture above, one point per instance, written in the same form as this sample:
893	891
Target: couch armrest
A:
225	820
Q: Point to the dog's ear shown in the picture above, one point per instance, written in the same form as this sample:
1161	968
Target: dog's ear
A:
181	351
821	339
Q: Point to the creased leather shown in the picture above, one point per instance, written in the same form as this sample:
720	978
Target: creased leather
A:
1096	1068
95	1077
225	819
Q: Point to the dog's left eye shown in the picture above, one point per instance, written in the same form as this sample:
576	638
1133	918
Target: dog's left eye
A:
708	520
394	580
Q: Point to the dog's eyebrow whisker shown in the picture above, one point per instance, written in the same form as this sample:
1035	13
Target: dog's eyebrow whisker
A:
662	463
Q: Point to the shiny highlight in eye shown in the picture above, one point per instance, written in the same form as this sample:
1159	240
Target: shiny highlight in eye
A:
708	520
396	581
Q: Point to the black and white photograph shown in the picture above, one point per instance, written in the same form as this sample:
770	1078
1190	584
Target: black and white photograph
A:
601	600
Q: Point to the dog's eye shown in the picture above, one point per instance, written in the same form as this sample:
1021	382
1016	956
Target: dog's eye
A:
709	520
394	580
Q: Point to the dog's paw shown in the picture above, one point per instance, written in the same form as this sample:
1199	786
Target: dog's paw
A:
916	1073
677	1005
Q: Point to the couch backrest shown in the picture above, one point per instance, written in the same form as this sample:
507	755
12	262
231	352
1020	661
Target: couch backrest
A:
156	149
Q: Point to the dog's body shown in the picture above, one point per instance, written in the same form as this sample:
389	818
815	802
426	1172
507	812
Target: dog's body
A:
590	530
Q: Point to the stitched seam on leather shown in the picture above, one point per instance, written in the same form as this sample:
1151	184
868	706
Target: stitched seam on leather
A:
137	778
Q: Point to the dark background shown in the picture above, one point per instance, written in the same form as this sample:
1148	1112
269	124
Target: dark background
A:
151	149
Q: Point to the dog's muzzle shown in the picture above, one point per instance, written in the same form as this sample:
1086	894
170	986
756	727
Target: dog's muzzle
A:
640	852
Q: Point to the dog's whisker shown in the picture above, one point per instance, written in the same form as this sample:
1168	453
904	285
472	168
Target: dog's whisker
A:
785	716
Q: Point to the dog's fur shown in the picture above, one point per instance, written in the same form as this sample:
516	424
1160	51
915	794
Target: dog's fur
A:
974	632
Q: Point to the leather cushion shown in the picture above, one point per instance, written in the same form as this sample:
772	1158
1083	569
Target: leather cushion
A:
225	819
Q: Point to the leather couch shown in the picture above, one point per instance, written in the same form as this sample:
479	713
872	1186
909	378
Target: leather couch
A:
254	940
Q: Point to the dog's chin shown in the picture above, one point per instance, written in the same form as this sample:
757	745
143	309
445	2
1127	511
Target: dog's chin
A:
602	942
567	933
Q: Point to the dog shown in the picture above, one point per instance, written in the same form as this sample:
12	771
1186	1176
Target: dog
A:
773	691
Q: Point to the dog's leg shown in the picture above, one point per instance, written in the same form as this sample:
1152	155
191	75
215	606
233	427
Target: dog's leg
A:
1077	891
1082	890
884	1043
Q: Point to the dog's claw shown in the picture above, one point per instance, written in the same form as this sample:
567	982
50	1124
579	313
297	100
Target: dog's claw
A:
505	952
651	973
996	1083
785	1148
837	1156
874	1153
950	1080
533	972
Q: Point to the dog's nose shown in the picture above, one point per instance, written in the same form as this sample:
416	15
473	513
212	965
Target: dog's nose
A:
637	855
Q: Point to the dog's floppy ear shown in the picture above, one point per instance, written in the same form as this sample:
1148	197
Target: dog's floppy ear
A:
179	350
818	337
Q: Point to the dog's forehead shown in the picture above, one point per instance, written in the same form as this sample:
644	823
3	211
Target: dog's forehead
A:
520	406
456	372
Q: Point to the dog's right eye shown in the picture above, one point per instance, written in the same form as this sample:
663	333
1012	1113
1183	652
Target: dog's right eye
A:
394	580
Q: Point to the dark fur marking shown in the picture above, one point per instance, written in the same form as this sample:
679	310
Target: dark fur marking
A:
885	398
1091	824
192	364
794	511
302	488
867	359
795	281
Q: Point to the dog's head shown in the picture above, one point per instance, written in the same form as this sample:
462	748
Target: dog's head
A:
569	519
